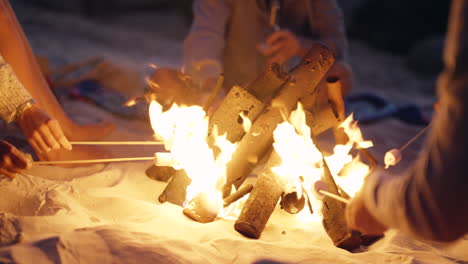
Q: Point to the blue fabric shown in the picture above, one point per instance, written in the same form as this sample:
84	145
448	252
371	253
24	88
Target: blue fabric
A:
108	99
369	108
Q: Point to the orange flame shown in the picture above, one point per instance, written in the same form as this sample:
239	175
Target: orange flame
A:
184	131
302	163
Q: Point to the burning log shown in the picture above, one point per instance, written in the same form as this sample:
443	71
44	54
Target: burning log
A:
202	209
175	191
293	202
335	94
334	220
162	170
249	101
227	117
262	201
268	82
321	119
256	143
160	173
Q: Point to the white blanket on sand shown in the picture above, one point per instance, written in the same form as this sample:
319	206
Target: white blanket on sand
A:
110	214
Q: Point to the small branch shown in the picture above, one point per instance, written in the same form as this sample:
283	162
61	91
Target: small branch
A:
334	196
244	190
370	158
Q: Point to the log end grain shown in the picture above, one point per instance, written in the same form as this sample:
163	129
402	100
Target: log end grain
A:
291	203
247	229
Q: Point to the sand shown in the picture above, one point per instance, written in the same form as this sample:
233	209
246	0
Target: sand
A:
110	214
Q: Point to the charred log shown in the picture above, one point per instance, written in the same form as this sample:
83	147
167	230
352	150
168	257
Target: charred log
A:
175	191
256	143
262	201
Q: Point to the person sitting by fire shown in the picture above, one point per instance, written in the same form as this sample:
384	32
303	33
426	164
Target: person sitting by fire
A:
43	121
429	200
239	38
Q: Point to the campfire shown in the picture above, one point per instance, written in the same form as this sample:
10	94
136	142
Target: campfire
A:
270	126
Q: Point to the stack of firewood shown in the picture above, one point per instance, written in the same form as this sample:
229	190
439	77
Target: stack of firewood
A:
265	101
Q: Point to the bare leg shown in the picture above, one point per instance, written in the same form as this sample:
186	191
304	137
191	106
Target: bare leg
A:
16	50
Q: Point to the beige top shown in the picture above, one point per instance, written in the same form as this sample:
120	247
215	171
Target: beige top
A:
225	34
13	96
430	200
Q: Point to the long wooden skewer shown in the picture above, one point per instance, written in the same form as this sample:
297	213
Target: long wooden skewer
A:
91	161
116	143
418	135
334	196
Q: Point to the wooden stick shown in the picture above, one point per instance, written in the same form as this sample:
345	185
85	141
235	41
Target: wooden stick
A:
393	156
243	190
334	196
53	162
116	143
415	137
370	158
273	21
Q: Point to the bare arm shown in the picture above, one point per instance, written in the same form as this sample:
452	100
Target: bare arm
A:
204	46
42	132
430	200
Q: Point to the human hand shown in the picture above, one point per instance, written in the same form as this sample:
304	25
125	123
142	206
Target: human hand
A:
280	46
12	161
360	219
41	131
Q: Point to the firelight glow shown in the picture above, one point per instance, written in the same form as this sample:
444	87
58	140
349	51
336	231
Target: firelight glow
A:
184	131
302	163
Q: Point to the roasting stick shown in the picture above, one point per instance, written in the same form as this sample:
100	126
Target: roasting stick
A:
334	196
393	156
91	161
160	159
116	143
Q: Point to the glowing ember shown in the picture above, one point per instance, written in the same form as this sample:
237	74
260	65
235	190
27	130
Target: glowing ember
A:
354	133
351	178
184	131
130	102
301	160
246	123
152	84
